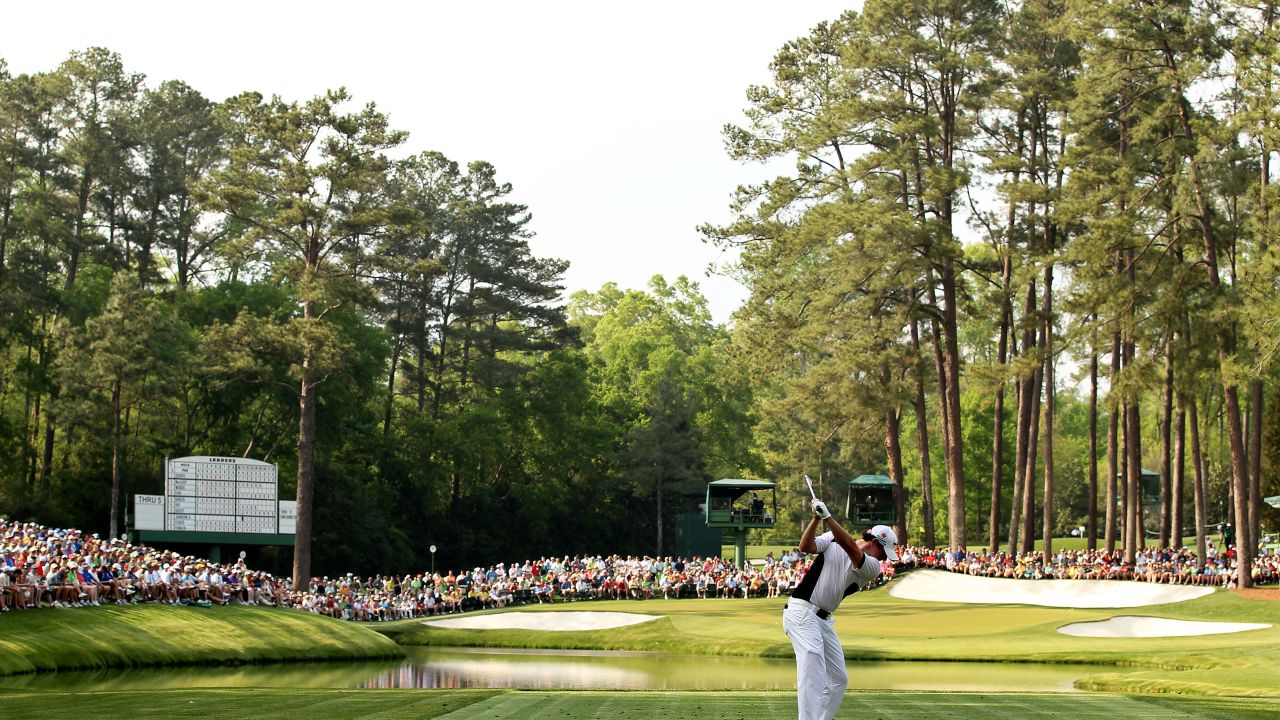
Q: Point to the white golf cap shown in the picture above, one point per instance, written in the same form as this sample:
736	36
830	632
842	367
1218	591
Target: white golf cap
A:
888	539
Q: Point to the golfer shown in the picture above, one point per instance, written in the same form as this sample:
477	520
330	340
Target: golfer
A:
843	566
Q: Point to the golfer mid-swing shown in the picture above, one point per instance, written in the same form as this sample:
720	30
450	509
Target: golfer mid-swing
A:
843	566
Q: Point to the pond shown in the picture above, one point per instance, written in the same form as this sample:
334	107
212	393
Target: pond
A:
568	669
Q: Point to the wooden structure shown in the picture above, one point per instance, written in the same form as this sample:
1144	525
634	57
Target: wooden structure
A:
734	518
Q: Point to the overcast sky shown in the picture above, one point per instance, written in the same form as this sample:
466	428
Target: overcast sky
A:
605	117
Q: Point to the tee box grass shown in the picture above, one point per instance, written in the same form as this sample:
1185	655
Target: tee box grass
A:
586	705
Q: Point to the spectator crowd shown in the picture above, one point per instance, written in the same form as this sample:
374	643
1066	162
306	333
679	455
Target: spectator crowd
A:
1158	565
48	567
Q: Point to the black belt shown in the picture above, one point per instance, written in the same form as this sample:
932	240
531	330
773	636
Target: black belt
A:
819	612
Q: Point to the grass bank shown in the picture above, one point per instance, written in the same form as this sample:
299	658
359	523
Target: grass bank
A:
877	626
389	704
133	636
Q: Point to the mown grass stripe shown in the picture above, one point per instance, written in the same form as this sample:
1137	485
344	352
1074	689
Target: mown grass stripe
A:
102	637
250	703
886	706
583	705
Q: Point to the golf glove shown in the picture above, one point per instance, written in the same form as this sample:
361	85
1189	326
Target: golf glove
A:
820	510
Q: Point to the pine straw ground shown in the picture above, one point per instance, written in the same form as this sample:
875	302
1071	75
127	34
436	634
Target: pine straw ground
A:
1268	593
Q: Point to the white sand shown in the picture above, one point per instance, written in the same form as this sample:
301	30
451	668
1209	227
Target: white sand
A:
555	621
1128	626
943	586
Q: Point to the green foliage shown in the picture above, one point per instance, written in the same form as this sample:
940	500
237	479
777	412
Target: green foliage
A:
279	279
681	410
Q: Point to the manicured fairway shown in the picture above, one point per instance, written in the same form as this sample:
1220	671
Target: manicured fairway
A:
520	705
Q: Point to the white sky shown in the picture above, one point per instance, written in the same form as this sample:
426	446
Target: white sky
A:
604	117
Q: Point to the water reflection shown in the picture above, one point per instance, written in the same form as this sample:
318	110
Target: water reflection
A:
531	669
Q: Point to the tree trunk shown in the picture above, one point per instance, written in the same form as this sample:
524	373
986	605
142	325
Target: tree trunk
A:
1091	528
1033	450
922	440
420	330
46	458
1225	332
1166	426
1255	458
82	209
1256	402
115	459
954	440
1002	357
1202	487
1133	477
1132	427
1019	467
657	492
944	405
1176	521
1026	418
1113	444
30	423
31	441
306	463
389	403
893	453
1033	441
1047	512
446	316
997	434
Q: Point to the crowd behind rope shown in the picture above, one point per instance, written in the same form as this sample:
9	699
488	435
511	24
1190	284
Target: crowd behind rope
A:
47	567
552	580
1158	565
42	567
61	568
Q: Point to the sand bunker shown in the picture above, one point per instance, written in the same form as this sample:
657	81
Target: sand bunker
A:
555	621
942	586
1153	627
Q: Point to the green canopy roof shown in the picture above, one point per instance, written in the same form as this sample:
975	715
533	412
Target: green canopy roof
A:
1273	501
738	484
1145	474
867	480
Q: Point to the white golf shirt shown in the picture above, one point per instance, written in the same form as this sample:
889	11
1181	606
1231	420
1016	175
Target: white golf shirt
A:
833	576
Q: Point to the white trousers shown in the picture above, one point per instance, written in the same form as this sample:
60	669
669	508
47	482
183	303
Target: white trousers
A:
821	677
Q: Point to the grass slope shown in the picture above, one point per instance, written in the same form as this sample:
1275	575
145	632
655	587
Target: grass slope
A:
389	704
131	636
877	626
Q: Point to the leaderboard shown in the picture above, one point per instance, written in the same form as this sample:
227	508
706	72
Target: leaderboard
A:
221	494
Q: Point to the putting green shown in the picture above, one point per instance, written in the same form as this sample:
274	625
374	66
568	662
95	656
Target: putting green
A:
523	705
